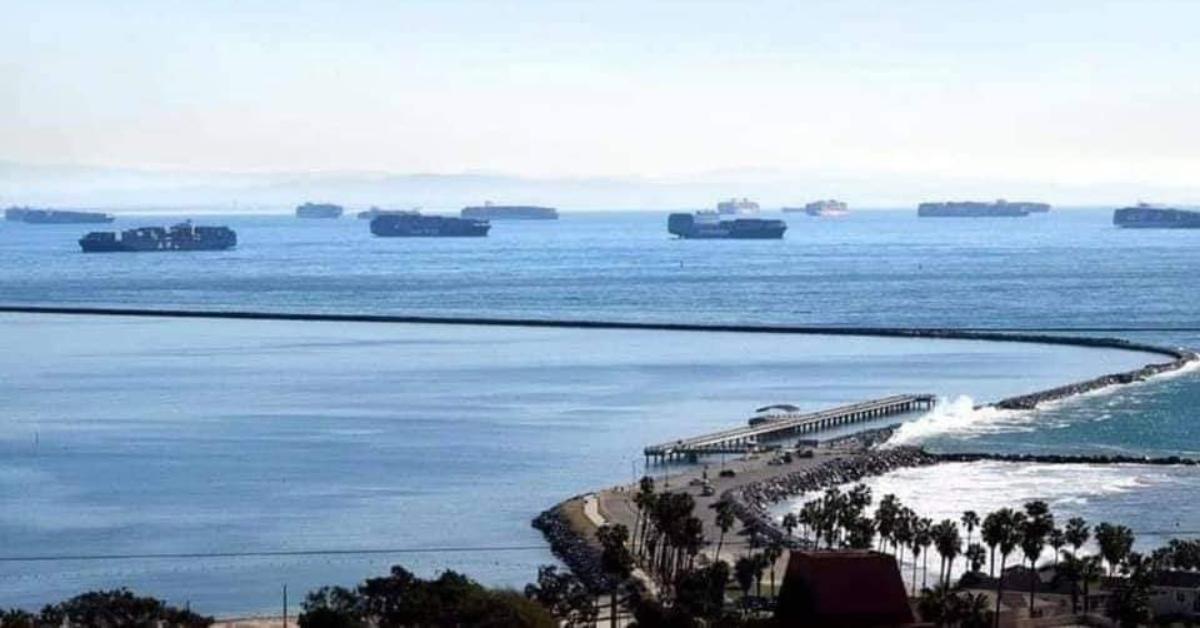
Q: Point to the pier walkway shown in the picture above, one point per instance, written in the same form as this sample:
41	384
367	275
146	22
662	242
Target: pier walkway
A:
744	439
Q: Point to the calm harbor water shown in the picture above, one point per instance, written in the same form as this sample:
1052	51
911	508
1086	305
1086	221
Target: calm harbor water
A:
137	436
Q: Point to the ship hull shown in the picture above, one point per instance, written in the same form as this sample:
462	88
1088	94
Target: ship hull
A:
55	216
1155	218
686	226
509	212
181	237
120	247
388	226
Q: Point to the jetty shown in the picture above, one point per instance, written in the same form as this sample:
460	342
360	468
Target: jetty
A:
746	439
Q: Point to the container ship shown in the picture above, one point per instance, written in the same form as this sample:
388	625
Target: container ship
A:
825	209
415	225
1144	216
375	211
319	210
182	237
488	211
737	207
34	216
709	226
975	209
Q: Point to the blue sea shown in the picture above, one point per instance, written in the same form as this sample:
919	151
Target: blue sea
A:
129	437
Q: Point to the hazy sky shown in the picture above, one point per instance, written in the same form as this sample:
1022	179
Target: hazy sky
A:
1059	91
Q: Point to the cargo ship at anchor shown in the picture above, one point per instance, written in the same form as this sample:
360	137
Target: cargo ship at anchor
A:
737	207
1145	216
824	209
33	216
709	226
182	237
319	210
415	225
377	211
976	209
488	211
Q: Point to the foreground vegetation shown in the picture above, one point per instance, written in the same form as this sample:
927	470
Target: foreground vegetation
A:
691	591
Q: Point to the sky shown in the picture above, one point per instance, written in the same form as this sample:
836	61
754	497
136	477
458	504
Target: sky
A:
1071	93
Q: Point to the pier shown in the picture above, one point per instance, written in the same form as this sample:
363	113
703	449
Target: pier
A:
746	439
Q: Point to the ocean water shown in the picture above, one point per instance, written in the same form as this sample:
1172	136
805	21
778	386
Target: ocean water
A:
142	436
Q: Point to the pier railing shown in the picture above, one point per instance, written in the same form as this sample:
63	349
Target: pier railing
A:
743	439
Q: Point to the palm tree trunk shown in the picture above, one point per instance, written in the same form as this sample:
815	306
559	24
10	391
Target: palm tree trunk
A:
1033	582
992	561
914	582
925	570
999	589
720	541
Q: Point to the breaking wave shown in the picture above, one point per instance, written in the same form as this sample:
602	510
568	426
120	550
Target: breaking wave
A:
959	416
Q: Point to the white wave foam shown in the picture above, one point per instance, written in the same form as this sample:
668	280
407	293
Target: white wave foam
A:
958	416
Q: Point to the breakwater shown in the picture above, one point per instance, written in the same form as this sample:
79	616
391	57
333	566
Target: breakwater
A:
751	502
958	333
568	545
1066	459
1180	358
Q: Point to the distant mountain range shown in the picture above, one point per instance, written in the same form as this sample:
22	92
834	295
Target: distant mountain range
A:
168	190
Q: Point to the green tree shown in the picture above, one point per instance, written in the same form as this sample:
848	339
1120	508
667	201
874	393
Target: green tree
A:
17	618
1076	533
790	523
744	571
565	595
970	521
700	593
119	607
1037	525
1130	602
948	544
1057	539
331	607
976	557
725	521
1009	524
1115	541
771	555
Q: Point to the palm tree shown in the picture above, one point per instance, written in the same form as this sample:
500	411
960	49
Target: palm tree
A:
1009	527
970	521
790	523
743	573
918	535
1076	533
924	536
948	544
976	556
1037	526
725	521
991	531
1115	544
1057	539
885	520
1089	572
903	534
644	500
772	552
1071	568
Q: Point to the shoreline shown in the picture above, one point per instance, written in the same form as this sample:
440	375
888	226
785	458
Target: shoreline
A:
751	498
